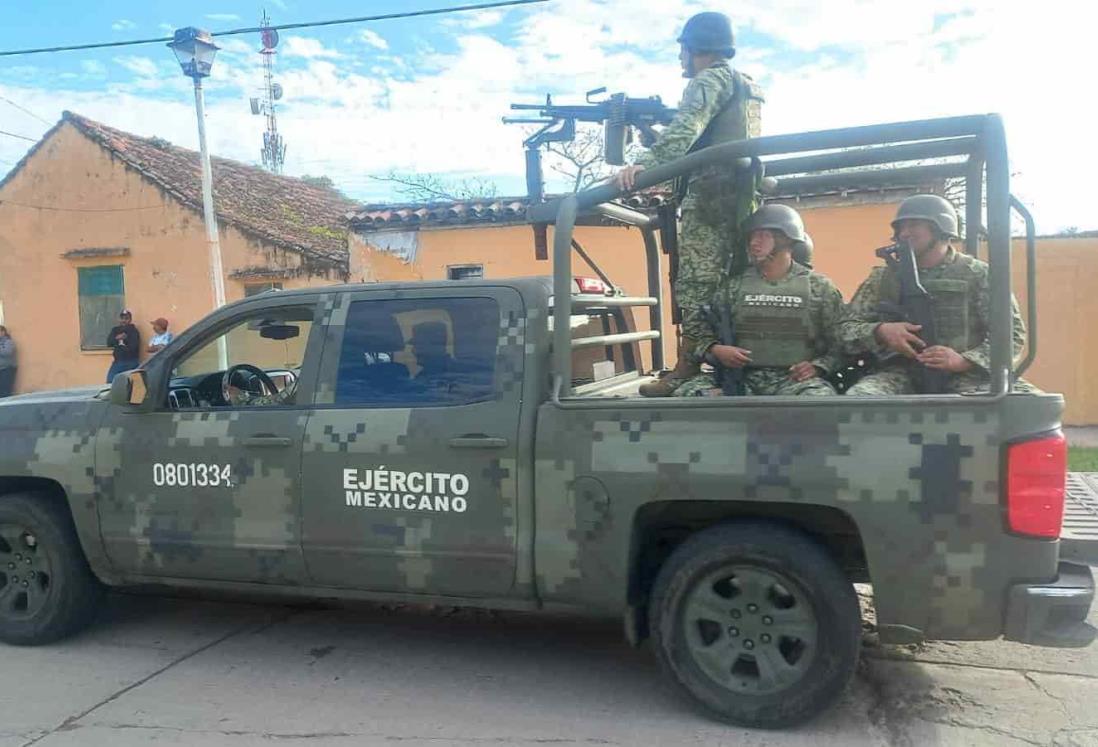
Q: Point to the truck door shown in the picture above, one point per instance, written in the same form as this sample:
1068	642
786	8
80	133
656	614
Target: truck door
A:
409	462
195	486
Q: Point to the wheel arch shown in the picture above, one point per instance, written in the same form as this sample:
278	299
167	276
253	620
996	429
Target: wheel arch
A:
660	527
53	491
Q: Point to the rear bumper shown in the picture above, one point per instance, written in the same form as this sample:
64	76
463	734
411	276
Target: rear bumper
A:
1053	614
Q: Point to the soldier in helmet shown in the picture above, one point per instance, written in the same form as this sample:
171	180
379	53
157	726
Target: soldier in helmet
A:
718	105
958	285
783	316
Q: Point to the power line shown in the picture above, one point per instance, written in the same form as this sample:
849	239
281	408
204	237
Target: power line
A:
258	29
78	210
21	137
25	110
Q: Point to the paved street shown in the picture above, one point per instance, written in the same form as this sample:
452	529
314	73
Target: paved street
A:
184	671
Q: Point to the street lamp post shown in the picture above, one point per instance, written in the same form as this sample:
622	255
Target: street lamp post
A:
195	50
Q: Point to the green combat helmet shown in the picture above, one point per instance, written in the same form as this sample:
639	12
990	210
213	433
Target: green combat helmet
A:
709	32
933	208
777	218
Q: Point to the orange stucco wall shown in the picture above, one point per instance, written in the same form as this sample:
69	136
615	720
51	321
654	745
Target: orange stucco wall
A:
105	204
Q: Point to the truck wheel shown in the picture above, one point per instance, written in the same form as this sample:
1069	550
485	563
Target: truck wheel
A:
47	590
756	623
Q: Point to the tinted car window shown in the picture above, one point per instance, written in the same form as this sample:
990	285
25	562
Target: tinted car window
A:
418	352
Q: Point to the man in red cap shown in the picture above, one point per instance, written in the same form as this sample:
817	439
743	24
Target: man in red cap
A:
161	336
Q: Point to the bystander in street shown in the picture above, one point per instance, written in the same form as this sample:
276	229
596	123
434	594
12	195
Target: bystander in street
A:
7	363
125	342
161	336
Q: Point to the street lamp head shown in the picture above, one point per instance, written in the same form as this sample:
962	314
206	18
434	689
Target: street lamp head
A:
195	50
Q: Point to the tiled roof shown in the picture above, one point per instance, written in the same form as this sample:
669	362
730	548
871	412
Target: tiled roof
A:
465	212
282	210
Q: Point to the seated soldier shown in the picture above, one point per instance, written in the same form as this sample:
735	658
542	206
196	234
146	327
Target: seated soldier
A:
960	297
783	316
437	369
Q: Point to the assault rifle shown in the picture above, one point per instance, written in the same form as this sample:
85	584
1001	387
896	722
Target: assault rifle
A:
915	307
730	380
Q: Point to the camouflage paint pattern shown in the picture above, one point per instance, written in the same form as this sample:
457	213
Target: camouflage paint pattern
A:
920	480
472	551
919	477
970	276
246	530
50	436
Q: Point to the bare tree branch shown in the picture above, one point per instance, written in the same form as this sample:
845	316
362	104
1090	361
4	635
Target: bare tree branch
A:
581	159
427	187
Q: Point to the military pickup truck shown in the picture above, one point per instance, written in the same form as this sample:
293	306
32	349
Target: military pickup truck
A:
481	443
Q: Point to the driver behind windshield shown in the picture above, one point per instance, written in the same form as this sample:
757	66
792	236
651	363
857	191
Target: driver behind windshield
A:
240	397
237	397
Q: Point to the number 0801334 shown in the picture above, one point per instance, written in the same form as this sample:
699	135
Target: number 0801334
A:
191	475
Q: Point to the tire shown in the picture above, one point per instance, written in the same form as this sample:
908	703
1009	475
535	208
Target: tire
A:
47	590
756	624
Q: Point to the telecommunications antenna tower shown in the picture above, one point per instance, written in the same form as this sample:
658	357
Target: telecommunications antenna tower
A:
274	149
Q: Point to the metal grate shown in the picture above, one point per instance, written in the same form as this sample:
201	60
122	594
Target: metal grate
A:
1079	537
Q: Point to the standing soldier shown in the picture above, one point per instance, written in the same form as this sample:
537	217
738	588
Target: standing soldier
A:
783	316
960	297
718	105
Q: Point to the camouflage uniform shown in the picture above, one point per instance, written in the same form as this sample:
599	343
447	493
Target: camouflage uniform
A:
709	222
824	310
964	328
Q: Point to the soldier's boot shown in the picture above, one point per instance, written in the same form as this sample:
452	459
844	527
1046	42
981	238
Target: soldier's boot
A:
685	368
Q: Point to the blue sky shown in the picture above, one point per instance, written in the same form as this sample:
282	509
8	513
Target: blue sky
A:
426	94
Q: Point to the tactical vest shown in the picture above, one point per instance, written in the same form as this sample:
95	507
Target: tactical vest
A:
773	322
950	304
739	117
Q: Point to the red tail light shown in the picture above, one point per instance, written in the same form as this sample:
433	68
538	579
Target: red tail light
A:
1036	472
590	285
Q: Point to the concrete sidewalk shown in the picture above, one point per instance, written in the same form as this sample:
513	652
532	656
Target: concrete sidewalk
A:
165	671
1082	435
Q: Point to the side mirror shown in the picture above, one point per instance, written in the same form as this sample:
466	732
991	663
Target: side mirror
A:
129	388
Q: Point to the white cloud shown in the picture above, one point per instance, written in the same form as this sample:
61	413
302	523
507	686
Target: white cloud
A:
373	39
831	65
223	16
308	48
475	19
123	24
280	4
141	66
93	67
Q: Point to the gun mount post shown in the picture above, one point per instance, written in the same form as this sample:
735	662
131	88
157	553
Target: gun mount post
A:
1031	286
974	203
998	253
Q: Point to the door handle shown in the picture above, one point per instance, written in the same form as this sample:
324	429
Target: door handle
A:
478	442
268	441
